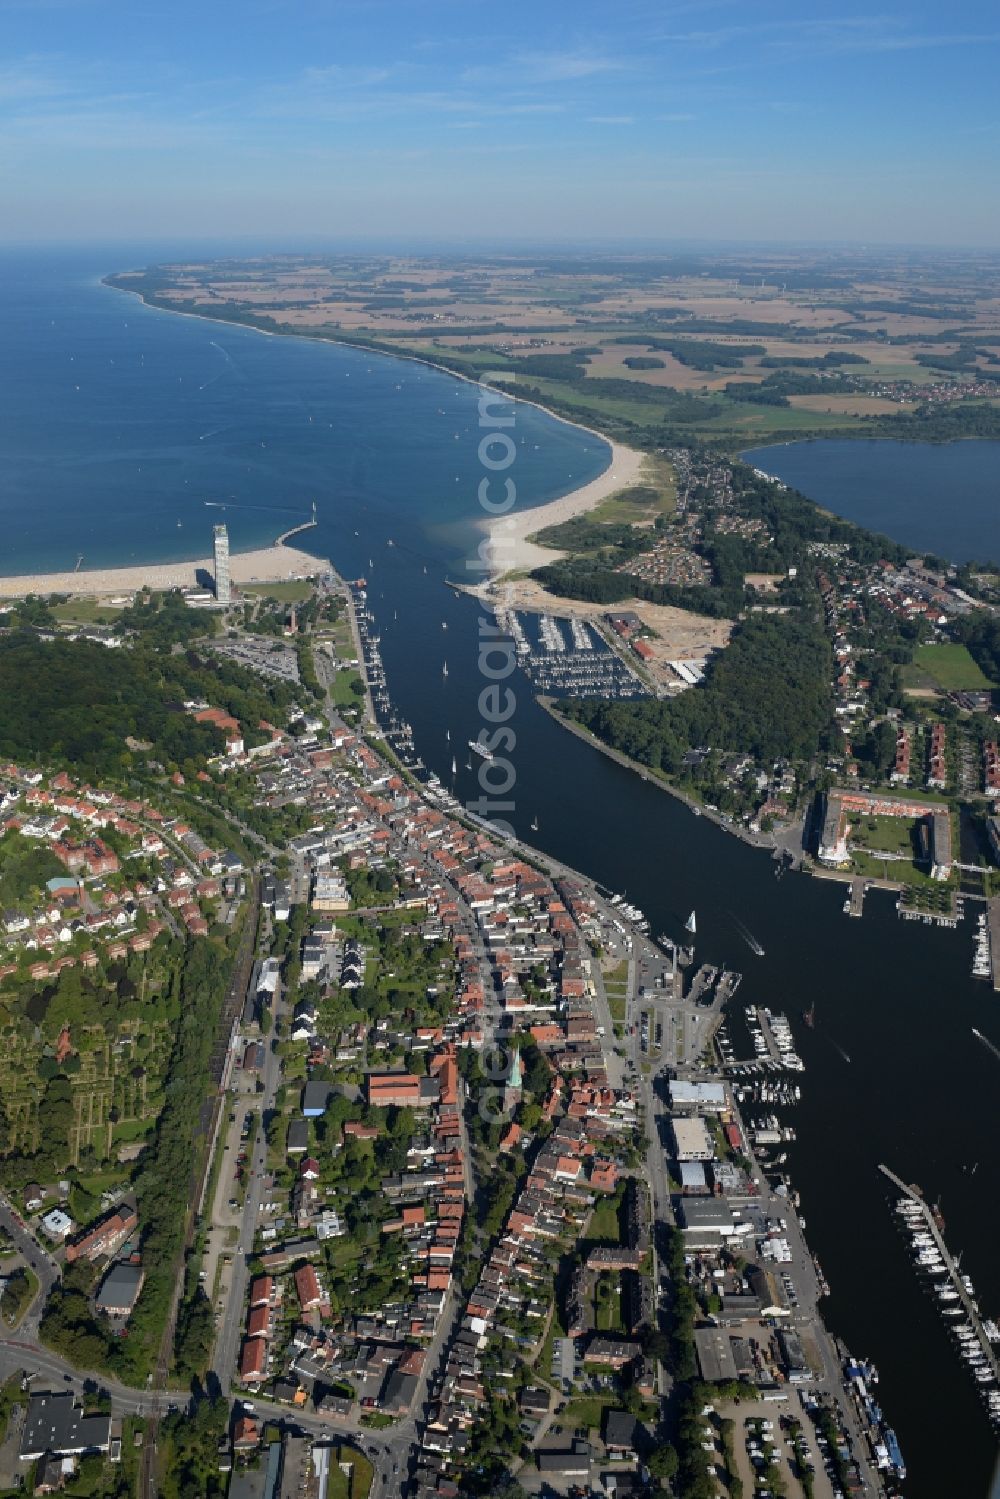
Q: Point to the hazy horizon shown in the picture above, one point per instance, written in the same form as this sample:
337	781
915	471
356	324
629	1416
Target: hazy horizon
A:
384	120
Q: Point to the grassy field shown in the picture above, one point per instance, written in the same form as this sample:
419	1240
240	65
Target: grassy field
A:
604	1222
586	1411
608	1303
655	494
85	612
900	871
343	694
293	591
947	666
615	984
873	838
892	835
360	1482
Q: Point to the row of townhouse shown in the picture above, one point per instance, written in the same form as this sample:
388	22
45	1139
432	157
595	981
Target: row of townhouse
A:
51	812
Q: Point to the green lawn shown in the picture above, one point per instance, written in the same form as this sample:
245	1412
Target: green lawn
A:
343	694
604	1222
616	988
892	835
587	1411
948	666
292	591
360	1481
871	866
608	1303
85	611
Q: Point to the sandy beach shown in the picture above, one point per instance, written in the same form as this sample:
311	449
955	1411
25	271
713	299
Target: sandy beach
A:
511	549
266	565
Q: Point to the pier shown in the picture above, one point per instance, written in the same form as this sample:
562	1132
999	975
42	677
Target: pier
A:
286	536
855	903
954	1277
994	930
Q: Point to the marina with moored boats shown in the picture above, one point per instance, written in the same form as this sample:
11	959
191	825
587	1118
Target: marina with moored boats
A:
974	1335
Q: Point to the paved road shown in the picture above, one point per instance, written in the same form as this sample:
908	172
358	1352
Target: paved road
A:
38	1258
23	1355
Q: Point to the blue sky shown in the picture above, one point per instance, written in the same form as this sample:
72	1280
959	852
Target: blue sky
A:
458	120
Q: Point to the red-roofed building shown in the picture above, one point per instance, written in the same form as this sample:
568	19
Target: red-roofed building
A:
262	1290
388	1088
259	1322
309	1291
604	1175
568	1169
253	1360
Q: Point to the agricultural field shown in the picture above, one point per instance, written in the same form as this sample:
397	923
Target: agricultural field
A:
728	348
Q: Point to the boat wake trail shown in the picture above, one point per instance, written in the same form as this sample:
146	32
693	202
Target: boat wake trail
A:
231	365
270	509
988	1044
843	1053
748	936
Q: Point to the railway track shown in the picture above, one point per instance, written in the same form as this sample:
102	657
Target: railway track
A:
202	1165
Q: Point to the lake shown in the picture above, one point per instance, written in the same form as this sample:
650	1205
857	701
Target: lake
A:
935	497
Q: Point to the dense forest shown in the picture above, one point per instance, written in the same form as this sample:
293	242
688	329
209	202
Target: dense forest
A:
980	631
76	702
768	695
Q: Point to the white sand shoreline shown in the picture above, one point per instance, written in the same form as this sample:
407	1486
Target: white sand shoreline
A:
272	564
510	550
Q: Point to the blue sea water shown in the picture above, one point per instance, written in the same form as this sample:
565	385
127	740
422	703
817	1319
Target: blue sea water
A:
941	498
124	429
